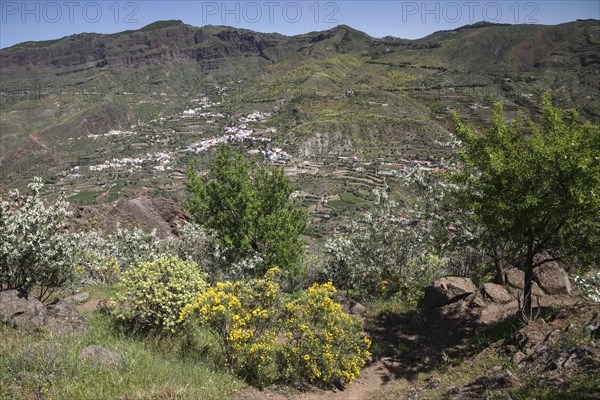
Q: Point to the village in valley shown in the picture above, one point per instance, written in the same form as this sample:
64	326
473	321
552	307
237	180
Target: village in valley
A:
157	152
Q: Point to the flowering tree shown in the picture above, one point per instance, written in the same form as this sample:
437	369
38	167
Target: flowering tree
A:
102	257
34	251
383	253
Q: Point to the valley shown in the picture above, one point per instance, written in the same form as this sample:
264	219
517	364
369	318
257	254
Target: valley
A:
341	111
213	212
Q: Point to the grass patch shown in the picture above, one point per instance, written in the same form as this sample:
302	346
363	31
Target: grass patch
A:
496	331
346	200
337	204
112	197
439	382
350	198
85	197
36	365
582	387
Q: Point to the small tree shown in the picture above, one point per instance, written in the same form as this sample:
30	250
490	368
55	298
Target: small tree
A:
34	252
528	186
251	211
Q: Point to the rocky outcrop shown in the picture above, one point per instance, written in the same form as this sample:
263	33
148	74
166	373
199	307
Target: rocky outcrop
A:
545	348
551	277
447	290
496	293
19	309
63	317
143	211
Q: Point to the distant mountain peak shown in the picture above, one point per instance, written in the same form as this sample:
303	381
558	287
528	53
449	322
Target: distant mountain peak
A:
161	25
480	24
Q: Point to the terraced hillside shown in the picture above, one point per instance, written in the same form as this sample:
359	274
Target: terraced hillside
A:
107	116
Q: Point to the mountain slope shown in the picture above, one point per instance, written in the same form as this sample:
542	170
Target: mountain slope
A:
337	92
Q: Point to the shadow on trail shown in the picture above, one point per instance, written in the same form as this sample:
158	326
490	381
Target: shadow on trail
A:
420	341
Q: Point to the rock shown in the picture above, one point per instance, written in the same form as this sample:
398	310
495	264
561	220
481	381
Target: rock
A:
63	317
551	277
553	336
490	314
518	357
496	293
20	309
515	278
101	356
593	326
358	309
535	291
570	360
529	352
510	348
477	302
78	298
447	290
563	360
345	302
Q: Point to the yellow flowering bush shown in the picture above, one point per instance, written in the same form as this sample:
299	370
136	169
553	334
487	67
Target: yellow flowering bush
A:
267	338
243	316
151	295
325	345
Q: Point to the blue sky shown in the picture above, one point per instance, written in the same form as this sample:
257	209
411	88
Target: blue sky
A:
42	20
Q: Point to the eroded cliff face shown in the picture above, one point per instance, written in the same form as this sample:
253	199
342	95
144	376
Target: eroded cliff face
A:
134	48
165	40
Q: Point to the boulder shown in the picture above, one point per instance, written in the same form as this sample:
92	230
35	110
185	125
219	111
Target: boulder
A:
101	356
536	290
494	312
62	317
517	293
447	290
515	278
552	278
496	293
358	309
20	309
477	302
518	357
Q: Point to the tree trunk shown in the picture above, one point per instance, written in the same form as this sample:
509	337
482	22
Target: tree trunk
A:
500	277
528	282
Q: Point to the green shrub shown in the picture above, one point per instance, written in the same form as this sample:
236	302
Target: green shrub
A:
152	294
268	338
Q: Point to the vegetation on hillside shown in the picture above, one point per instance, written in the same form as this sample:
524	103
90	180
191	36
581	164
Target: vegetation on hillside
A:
249	289
530	185
257	224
